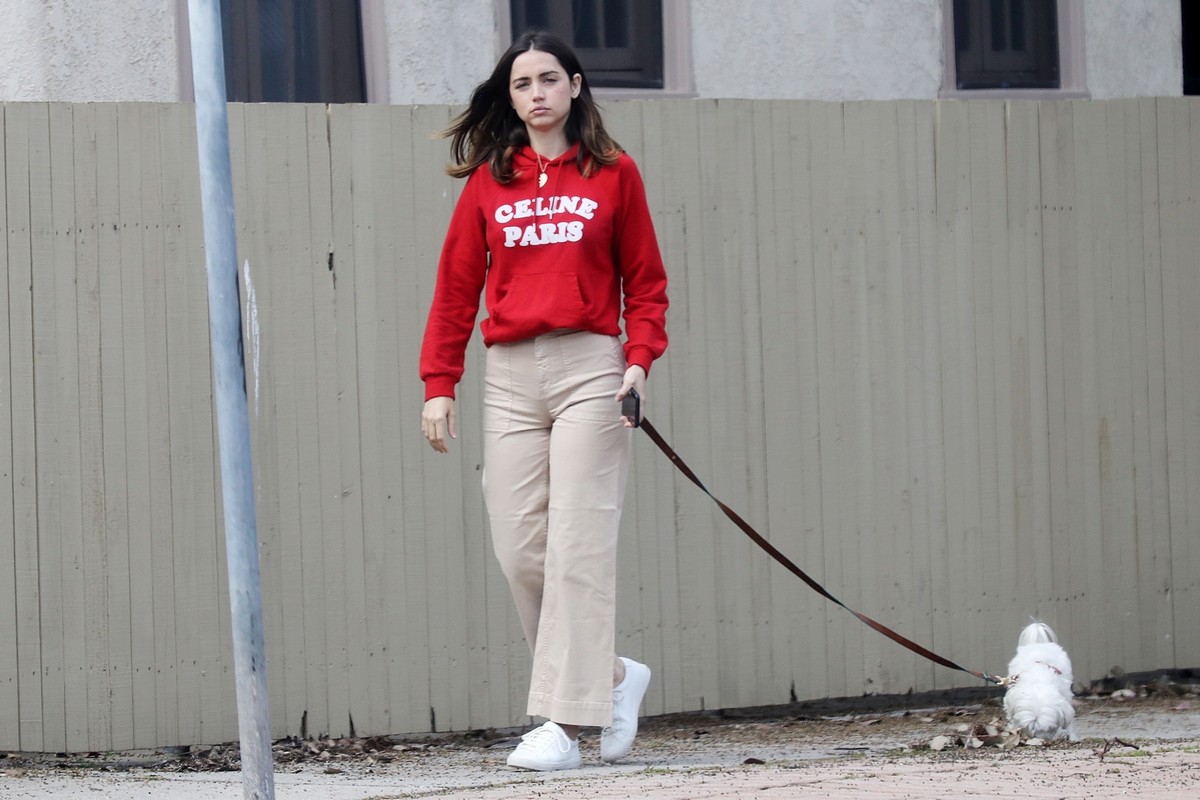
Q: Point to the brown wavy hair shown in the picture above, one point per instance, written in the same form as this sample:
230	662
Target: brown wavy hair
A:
490	131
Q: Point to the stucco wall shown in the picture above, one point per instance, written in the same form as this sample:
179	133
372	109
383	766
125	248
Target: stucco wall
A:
1133	48
88	51
439	51
818	49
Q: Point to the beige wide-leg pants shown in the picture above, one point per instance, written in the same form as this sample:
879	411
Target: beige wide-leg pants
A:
556	457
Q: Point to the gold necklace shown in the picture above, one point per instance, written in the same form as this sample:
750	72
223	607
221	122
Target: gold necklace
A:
542	178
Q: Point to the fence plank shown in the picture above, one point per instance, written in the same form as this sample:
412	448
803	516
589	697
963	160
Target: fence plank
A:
1177	204
67	408
637	558
1030	544
350	558
52	438
94	552
771	503
290	300
1115	256
729	246
330	706
442	481
653	477
1151	516
955	562
10	660
135	378
19	156
445	553
119	679
407	630
1189	550
179	563
693	520
892	327
1056	191
913	234
159	536
829	243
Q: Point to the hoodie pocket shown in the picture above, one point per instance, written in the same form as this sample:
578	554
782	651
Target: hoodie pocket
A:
541	302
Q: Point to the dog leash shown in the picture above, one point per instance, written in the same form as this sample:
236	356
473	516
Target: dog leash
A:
771	550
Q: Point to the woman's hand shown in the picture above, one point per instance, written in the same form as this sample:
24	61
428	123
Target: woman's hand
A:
635	378
437	420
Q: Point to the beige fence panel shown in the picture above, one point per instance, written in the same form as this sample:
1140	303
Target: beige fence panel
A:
943	354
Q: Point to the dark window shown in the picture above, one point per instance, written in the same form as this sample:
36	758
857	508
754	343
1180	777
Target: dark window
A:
618	41
293	51
1006	44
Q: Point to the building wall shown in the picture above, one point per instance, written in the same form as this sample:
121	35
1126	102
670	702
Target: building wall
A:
436	51
865	49
89	51
1133	48
822	49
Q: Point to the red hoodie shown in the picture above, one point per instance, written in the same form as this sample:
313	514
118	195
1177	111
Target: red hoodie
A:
561	255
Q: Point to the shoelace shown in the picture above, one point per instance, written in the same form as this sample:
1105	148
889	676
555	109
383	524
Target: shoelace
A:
618	696
543	734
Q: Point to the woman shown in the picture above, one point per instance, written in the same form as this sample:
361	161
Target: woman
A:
554	229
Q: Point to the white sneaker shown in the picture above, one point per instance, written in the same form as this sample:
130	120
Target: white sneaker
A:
546	748
616	741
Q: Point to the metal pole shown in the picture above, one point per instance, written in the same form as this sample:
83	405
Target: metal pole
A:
229	377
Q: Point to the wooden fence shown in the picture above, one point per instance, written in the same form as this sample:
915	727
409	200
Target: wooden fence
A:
944	353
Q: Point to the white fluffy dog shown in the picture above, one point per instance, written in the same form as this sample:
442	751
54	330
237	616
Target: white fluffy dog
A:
1038	701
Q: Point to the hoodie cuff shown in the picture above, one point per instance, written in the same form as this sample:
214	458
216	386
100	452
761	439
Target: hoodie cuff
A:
641	356
439	387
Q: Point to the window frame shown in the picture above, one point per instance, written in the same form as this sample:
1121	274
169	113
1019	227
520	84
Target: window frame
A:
372	45
1071	59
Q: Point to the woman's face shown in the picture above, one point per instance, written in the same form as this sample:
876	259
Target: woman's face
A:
541	91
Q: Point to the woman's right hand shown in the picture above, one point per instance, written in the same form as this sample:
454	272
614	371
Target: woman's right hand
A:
437	420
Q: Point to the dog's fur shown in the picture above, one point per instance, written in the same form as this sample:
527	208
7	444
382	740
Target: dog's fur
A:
1038	702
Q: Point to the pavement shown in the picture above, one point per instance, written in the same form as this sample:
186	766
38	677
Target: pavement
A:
1148	746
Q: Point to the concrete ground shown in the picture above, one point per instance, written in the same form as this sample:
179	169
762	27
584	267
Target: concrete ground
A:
1143	746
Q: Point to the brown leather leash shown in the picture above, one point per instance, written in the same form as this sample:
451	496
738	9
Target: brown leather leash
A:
758	539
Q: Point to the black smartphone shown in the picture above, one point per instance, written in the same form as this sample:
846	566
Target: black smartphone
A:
631	407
